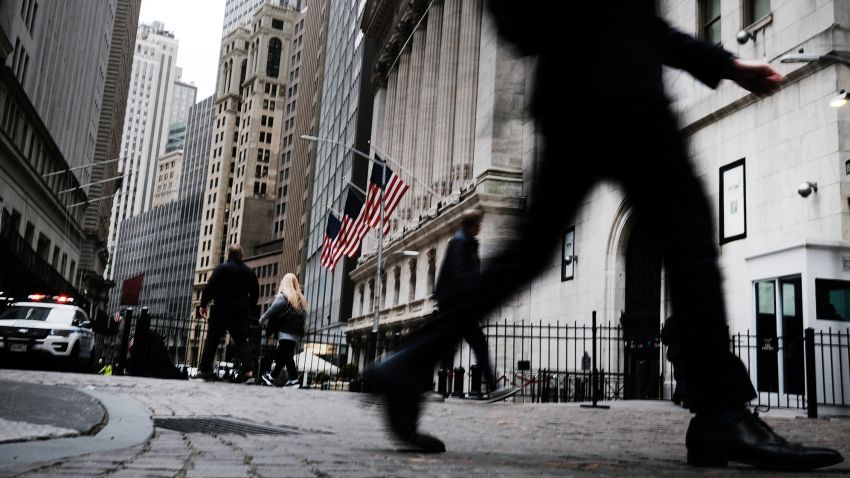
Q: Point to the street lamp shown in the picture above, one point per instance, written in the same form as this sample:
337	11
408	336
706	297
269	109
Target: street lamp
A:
801	57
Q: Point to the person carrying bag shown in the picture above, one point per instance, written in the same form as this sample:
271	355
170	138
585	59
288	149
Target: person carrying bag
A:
285	318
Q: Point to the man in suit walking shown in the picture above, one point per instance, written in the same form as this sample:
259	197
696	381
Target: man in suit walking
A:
462	264
233	289
610	48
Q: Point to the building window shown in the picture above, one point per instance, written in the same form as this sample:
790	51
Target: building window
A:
832	299
273	59
277	24
710	21
755	10
568	257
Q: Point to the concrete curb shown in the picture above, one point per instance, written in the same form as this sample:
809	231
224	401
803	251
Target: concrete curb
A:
129	424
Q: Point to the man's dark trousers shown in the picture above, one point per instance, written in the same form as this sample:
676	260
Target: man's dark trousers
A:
221	321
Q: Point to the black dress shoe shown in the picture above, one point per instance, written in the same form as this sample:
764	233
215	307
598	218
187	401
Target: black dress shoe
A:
424	443
402	405
750	440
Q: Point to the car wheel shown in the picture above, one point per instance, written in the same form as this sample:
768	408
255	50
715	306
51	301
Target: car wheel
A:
73	359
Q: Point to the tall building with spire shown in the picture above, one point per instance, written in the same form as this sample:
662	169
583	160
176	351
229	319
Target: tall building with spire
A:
146	123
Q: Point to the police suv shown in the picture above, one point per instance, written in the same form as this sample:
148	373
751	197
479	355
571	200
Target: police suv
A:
47	327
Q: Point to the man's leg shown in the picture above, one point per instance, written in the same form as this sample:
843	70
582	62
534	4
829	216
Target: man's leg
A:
239	333
402	376
215	330
477	341
670	198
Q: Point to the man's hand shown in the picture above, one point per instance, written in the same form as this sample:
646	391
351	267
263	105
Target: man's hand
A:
755	76
203	312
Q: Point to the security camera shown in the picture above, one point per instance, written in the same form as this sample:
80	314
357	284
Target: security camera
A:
806	188
744	36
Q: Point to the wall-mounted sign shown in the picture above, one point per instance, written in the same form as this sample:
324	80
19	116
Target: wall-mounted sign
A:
845	263
733	202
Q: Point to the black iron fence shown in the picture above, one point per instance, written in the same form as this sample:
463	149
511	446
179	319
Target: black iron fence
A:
320	357
557	362
554	363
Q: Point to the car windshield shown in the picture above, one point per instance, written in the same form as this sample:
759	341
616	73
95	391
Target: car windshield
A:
41	313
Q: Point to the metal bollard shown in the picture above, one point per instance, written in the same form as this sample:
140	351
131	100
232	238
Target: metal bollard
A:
458	382
474	381
811	374
443	382
126	323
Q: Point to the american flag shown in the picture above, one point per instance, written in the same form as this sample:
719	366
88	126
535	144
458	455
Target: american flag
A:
353	207
362	223
329	244
395	189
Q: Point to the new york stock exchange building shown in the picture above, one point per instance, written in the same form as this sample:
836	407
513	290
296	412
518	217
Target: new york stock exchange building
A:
776	170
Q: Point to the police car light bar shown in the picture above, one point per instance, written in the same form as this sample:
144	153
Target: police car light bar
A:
62	299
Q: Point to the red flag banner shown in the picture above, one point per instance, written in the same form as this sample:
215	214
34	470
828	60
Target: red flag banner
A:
130	290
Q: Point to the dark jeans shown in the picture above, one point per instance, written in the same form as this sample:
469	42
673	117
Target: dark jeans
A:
216	328
477	341
285	353
638	146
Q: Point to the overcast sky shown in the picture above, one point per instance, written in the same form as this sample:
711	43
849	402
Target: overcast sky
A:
197	26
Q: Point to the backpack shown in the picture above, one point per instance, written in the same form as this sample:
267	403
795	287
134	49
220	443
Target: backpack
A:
276	321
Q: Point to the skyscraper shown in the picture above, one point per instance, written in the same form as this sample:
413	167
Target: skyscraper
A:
346	114
292	211
61	121
238	13
146	122
162	242
245	153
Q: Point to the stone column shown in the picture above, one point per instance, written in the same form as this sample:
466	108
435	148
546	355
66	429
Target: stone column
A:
425	160
389	112
400	123
467	89
446	94
408	206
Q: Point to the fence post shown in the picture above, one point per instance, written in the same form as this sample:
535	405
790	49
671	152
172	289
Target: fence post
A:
127	321
594	383
811	374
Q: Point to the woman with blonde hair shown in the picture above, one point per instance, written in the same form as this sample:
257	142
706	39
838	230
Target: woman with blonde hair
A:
286	317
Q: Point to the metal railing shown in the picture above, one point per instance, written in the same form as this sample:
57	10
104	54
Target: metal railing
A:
548	362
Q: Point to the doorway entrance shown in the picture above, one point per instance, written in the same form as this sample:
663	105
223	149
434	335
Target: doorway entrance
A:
779	335
641	318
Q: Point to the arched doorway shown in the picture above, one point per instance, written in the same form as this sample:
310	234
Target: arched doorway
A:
641	317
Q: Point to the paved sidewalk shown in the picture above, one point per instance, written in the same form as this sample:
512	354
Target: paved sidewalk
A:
61	412
341	434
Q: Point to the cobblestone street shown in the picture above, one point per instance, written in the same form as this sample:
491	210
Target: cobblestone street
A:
341	434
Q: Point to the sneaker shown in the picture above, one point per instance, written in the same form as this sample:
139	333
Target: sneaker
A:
242	377
291	383
268	379
502	394
205	376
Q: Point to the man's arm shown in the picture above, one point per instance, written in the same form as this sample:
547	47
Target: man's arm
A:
710	64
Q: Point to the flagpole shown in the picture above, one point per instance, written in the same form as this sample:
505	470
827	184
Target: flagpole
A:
386	158
378	266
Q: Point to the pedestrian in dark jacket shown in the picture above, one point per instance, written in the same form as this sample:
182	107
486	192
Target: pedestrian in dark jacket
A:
586	52
233	290
285	318
461	265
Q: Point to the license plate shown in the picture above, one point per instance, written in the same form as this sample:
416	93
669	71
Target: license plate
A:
18	347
